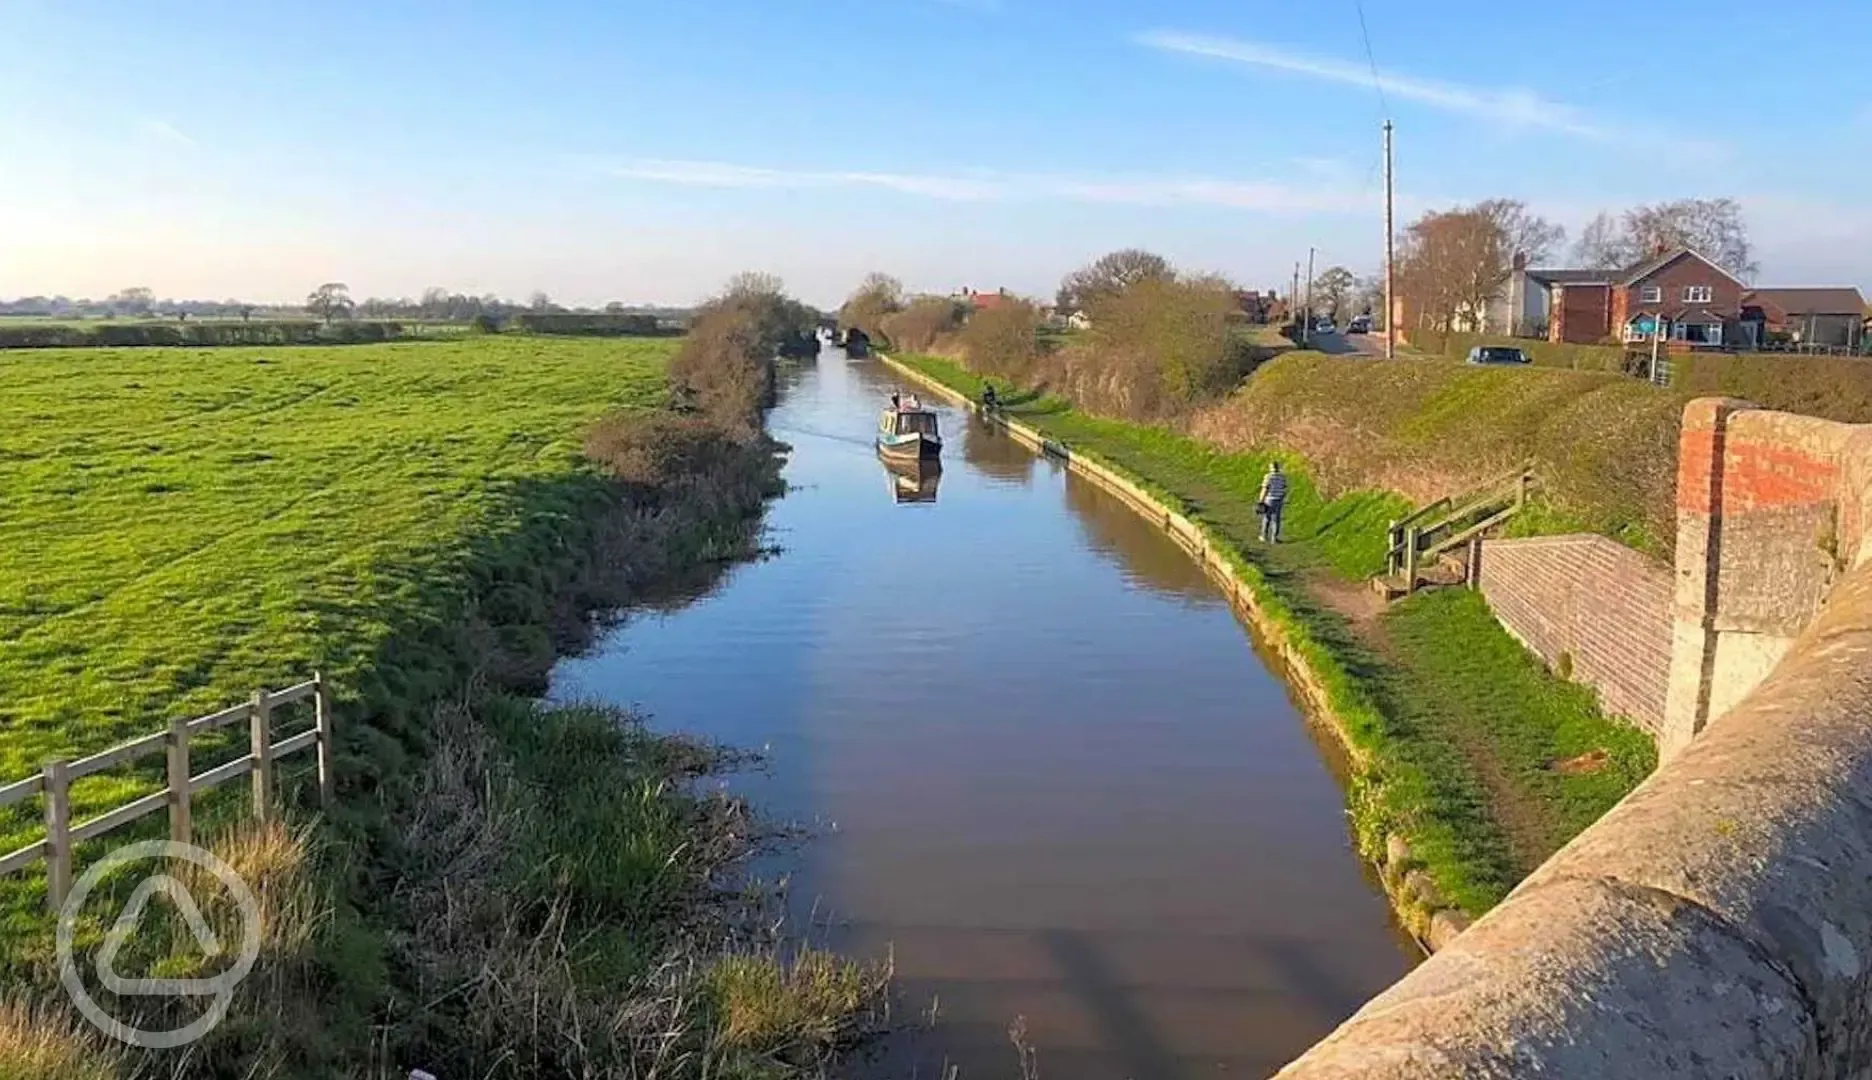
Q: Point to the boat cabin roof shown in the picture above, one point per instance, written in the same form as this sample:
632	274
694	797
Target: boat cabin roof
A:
903	421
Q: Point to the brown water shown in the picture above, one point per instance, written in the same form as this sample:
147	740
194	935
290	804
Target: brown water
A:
1055	778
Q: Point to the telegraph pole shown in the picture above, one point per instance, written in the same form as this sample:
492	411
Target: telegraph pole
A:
1293	298
1390	271
1309	297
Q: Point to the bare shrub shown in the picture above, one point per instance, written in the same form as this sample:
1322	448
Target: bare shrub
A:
927	320
1003	340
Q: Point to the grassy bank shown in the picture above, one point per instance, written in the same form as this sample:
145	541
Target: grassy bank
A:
505	890
1834	387
1604	447
1463	746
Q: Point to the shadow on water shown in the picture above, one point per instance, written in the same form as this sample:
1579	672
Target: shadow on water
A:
991	451
1138	548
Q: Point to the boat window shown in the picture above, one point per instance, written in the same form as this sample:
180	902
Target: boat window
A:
921	423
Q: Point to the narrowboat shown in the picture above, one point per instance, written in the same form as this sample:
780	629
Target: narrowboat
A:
908	433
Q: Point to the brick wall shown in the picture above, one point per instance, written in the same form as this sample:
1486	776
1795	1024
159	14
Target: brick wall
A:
1597	601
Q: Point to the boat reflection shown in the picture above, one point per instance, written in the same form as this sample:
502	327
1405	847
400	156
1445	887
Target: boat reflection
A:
912	481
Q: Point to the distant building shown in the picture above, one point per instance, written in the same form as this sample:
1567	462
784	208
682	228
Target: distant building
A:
1831	317
981	301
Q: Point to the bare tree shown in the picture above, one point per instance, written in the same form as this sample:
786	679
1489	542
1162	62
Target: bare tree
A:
1449	266
1332	290
1711	227
753	285
539	301
1111	274
878	297
330	301
1458	261
1602	245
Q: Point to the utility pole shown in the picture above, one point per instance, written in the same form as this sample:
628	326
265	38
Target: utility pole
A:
1309	297
1293	298
1390	271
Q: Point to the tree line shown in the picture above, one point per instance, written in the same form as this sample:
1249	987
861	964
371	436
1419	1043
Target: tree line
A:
330	301
1162	339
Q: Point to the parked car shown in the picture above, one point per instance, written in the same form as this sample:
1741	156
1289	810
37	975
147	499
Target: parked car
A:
1360	324
1498	354
1324	326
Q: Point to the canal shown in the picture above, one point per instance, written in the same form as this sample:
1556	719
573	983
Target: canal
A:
1053	778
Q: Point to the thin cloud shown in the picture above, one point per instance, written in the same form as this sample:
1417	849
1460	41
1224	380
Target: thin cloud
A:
1514	107
985	186
163	131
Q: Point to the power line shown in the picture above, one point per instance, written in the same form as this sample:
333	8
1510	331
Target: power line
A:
1377	83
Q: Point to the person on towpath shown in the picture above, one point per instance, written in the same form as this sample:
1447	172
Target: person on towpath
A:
1273	499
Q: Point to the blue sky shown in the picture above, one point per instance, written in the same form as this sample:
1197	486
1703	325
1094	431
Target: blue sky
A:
646	151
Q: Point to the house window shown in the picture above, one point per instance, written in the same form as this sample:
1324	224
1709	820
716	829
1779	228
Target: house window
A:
1696	294
1651	294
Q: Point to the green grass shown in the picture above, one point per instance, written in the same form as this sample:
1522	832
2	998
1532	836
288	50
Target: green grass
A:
1452	723
504	889
1604	447
179	527
1492	723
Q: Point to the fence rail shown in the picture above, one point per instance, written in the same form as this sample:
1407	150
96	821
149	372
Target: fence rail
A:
1446	524
54	783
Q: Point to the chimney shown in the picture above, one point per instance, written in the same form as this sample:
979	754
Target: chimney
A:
1520	260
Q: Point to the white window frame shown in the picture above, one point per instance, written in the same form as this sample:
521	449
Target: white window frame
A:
1650	294
1698	294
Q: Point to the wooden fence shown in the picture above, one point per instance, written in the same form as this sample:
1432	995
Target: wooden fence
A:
55	782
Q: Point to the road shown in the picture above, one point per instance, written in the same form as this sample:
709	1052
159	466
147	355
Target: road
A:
1349	344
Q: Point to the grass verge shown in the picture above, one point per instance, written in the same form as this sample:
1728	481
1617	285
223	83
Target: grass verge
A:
1463	746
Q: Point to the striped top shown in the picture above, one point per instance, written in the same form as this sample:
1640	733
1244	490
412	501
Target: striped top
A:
1274	488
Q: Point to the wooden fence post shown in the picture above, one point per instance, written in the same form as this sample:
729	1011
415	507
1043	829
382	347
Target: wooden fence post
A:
262	718
181	825
58	834
1391	553
321	704
1410	559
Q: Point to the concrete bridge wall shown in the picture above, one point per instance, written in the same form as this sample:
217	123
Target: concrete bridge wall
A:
1718	922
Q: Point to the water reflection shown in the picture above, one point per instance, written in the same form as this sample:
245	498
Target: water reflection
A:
912	481
1138	548
991	451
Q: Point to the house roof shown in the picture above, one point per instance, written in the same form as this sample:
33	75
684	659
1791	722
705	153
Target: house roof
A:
1572	277
1644	268
1824	301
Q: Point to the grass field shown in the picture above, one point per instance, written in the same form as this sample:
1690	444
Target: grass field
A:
180	527
1465	727
504	889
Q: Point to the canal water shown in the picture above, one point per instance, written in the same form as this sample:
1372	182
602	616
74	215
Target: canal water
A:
1053	779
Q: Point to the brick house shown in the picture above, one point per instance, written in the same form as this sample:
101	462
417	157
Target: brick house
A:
1678	293
1260	307
1833	317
